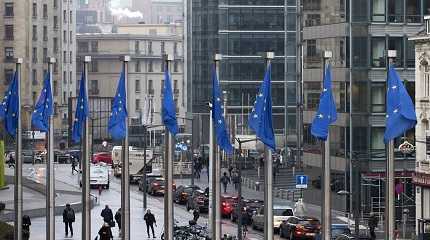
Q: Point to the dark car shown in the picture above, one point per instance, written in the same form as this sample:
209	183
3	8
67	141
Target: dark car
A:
199	201
249	207
300	228
156	186
184	192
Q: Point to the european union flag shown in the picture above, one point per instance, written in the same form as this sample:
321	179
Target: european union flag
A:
222	137
400	108
326	113
82	111
9	107
44	107
168	108
260	119
117	122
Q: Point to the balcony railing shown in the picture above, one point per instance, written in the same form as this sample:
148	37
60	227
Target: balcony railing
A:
94	91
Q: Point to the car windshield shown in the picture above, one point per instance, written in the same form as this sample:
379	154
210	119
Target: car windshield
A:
310	222
161	182
282	212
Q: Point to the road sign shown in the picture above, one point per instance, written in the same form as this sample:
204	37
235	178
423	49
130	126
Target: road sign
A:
301	181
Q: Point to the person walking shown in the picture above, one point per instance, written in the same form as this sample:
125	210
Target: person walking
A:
74	166
373	223
150	221
107	216
68	219
236	180
118	219
26	223
196	215
105	232
225	180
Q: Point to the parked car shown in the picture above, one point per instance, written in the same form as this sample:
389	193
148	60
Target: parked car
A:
149	177
156	186
60	157
27	156
182	193
199	201
105	157
280	213
249	207
300	228
99	176
228	202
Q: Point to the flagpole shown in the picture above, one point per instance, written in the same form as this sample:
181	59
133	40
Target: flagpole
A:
125	179
50	175
18	163
268	178
168	173
325	146
216	171
389	189
85	163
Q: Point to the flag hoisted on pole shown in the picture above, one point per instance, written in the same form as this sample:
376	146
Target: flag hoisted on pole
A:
9	112
401	114
117	122
168	111
44	107
82	111
218	118
260	120
320	129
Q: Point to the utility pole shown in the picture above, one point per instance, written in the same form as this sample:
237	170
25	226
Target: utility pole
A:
85	164
50	173
144	168
169	142
268	178
325	146
125	179
18	162
390	173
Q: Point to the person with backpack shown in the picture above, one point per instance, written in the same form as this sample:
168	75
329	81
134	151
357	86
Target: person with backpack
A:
150	221
26	222
118	219
107	216
105	232
225	180
68	219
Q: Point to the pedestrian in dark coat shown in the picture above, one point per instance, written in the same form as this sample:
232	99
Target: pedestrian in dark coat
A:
150	221
105	232
107	215
225	180
373	223
118	219
68	219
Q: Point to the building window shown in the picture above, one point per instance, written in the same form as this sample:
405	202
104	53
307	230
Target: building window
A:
395	11
311	48
45	55
64	16
138	105
64	56
45	33
175	48
55	90
65	36
137	86
94	66
94	87
45	11
64	77
8	9
55	45
426	88
150	66
64	96
8	75
413	11
162	66
34	33
70	79
396	43
9	54
313	20
35	10
376	138
34	55
55	3
137	66
94	46
175	66
150	87
378	52
83	47
378	11
71	17
311	4
410	54
34	77
150	48
8	32
175	84
378	97
71	37
163	48
137	47
55	22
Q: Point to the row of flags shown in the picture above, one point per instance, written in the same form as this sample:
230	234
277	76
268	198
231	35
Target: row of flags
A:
399	118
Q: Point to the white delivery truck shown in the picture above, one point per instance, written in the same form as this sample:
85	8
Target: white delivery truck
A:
136	162
99	176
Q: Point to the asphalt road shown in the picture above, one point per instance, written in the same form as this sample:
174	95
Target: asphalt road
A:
112	198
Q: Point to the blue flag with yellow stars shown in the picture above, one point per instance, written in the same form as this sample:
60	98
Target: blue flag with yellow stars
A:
326	113
260	119
9	107
44	107
81	113
401	114
168	108
222	137
117	125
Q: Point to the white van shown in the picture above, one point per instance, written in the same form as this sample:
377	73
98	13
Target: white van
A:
280	213
99	176
136	161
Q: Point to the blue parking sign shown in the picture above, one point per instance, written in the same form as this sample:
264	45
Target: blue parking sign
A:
301	181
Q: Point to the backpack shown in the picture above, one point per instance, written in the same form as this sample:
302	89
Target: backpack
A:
70	215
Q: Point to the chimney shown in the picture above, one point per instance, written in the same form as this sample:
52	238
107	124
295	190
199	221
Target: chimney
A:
427	23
